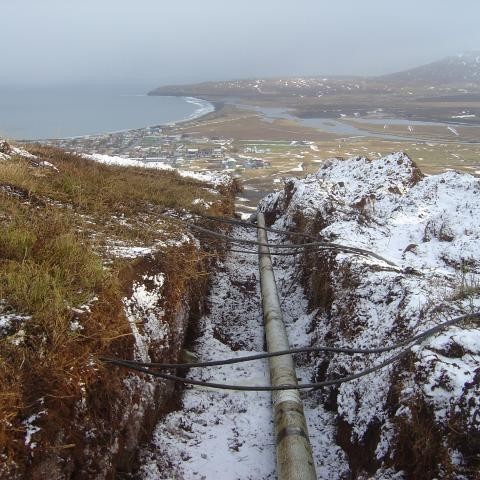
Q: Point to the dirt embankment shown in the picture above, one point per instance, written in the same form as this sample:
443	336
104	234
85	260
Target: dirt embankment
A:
93	262
120	408
418	418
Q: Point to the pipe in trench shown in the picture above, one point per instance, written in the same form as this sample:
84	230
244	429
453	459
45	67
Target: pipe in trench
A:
294	452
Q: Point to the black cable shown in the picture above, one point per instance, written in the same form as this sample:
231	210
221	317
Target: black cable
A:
288	254
350	351
326	245
320	245
264	388
253	225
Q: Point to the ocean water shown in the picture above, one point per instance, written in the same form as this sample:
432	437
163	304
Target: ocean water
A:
41	113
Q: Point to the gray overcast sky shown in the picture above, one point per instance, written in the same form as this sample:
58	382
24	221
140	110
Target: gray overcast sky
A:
154	42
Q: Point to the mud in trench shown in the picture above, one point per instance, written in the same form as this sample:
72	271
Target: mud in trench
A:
229	435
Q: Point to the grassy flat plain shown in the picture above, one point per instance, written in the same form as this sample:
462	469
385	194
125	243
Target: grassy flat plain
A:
441	133
240	124
279	143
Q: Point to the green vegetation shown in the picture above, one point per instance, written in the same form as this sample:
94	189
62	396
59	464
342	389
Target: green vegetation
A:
57	272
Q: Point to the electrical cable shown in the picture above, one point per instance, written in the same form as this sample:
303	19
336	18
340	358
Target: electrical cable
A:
320	245
263	388
143	366
325	245
253	225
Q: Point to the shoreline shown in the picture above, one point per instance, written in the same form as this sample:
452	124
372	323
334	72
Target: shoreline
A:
197	114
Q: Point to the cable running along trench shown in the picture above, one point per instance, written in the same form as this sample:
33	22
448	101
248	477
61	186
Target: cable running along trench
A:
262	388
294	453
145	367
255	226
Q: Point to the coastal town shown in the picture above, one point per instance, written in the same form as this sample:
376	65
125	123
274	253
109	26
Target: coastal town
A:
262	152
162	144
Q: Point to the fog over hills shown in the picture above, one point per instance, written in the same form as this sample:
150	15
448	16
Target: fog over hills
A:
459	69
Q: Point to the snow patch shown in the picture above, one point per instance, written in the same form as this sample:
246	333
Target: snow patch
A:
144	311
214	178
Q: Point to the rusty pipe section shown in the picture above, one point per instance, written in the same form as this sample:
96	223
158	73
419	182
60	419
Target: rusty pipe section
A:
294	452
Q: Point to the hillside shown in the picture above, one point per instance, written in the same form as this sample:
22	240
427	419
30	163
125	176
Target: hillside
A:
417	419
270	87
94	260
457	71
461	69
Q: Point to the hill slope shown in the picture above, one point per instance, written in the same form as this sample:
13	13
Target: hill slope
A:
92	263
460	69
418	418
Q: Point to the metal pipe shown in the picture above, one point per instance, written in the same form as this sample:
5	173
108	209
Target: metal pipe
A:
294	452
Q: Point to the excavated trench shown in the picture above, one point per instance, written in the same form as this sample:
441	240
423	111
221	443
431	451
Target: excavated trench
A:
394	424
219	434
223	434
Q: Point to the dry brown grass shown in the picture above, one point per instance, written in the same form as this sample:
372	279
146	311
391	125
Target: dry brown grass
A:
95	188
46	268
51	225
420	448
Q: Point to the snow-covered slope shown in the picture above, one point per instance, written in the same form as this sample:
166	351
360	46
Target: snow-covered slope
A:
214	178
419	418
8	151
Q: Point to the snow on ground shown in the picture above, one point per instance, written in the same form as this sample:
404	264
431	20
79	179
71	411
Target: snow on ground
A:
221	434
145	307
430	228
438	215
30	428
126	162
126	251
330	460
8	151
229	435
202	202
9	321
214	178
298	168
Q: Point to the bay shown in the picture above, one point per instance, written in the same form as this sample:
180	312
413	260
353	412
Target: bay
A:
61	112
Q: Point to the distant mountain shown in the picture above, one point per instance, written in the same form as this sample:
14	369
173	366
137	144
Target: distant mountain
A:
460	69
451	73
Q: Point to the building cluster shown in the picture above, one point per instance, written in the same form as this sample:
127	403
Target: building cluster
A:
160	144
